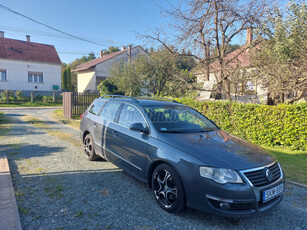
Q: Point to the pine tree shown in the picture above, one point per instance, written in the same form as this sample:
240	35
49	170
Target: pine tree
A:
69	86
64	80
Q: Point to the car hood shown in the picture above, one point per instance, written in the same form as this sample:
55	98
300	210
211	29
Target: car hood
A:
219	149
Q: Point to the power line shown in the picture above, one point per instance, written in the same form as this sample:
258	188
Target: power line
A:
50	27
107	42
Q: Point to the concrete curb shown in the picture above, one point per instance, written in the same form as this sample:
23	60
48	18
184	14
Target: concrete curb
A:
26	108
9	215
297	184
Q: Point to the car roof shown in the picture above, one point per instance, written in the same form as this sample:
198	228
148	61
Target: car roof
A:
143	102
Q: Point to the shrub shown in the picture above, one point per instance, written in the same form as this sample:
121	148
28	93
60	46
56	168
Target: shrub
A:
281	125
19	94
38	97
3	95
47	99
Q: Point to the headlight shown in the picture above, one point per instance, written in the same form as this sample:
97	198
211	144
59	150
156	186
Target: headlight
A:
219	175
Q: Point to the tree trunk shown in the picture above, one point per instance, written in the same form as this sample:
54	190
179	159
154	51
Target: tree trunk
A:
227	89
219	91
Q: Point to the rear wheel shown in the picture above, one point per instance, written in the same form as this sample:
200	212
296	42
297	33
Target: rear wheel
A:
168	189
89	148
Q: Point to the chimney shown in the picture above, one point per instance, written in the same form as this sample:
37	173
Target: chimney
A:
129	53
101	53
1	34
249	35
28	38
123	48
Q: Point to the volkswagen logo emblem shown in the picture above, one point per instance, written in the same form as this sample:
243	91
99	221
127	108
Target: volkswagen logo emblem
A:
269	175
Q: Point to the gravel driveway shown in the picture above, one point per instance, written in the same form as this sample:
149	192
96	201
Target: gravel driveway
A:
57	188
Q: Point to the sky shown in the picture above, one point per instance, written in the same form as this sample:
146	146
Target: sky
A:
107	22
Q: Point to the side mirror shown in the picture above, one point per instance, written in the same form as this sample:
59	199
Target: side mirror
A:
138	127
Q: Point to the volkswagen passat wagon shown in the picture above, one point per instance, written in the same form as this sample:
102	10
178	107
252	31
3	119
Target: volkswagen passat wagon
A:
186	159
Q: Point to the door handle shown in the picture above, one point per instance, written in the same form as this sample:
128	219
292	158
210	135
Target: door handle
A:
95	125
115	133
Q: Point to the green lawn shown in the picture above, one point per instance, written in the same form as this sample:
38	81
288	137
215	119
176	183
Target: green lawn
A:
29	104
294	163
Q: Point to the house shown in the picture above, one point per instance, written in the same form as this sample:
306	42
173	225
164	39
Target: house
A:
239	65
29	66
91	73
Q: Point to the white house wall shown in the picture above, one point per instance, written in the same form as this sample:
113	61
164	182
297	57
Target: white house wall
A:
103	69
86	81
17	75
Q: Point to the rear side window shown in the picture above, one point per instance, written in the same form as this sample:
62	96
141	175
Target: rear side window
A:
109	111
129	115
96	107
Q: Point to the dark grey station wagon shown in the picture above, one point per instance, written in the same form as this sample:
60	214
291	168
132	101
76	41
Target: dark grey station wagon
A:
186	159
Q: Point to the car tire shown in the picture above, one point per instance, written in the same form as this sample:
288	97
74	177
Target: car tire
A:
89	148
168	189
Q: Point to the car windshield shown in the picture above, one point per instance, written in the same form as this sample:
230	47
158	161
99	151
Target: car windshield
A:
179	119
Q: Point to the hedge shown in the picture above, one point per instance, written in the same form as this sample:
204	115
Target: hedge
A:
281	125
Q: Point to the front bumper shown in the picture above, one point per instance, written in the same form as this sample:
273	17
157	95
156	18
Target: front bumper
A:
233	200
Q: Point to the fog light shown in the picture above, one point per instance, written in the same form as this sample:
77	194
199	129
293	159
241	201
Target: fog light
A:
224	206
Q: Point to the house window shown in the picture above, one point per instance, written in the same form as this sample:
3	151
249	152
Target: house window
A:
2	75
250	86
34	77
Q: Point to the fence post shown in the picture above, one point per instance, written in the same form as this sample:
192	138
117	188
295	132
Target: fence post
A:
53	96
8	97
32	97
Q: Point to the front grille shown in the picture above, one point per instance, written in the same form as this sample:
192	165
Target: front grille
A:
258	177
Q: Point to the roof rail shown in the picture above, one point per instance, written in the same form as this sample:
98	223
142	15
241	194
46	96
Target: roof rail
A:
120	96
158	98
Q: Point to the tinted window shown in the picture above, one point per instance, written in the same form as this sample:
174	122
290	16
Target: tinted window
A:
129	115
179	119
96	107
109	111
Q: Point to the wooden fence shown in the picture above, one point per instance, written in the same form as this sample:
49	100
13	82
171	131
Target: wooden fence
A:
74	104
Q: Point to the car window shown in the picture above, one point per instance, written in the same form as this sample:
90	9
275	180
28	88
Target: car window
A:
95	108
179	119
129	115
109	111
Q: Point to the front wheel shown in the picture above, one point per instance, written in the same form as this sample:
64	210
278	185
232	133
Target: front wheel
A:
89	148
168	189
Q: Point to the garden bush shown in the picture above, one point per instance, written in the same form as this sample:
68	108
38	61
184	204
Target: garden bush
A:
281	125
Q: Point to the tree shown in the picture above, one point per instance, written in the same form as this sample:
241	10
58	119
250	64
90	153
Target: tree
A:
125	78
69	85
204	26
64	80
282	60
106	87
161	73
110	50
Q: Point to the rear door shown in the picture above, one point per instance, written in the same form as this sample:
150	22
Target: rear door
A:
106	130
92	117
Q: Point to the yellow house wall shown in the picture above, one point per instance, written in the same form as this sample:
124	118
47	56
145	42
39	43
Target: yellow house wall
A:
86	81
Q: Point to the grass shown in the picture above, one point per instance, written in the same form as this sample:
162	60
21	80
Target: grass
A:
29	104
58	115
294	163
5	126
35	121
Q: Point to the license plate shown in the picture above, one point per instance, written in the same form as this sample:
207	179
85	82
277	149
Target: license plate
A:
273	192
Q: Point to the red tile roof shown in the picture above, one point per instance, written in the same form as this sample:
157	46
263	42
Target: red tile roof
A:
239	57
94	62
28	51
